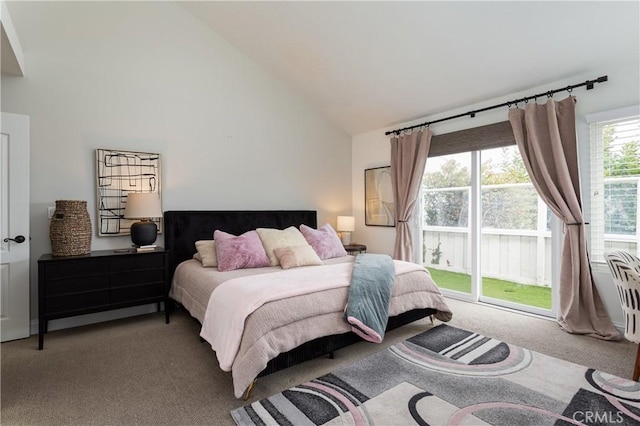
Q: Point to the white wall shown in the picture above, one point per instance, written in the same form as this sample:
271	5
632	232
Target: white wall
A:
623	89
148	76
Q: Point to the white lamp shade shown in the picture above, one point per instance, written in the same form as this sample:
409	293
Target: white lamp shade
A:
346	223
143	205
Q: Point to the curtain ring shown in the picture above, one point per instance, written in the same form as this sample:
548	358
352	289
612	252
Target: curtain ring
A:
549	94
569	89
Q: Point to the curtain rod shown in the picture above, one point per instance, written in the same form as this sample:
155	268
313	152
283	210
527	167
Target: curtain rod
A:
588	83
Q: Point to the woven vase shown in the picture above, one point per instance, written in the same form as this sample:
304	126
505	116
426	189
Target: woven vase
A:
70	229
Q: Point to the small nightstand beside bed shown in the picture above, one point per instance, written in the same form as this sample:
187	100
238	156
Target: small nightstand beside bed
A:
290	315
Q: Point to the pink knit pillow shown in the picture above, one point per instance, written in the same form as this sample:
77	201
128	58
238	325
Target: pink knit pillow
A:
244	251
324	241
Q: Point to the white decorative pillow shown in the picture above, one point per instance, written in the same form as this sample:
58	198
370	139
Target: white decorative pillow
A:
295	256
276	238
207	251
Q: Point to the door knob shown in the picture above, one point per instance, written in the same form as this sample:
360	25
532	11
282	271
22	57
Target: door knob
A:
18	239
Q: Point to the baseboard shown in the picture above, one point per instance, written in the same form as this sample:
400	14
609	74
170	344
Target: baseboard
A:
87	319
618	325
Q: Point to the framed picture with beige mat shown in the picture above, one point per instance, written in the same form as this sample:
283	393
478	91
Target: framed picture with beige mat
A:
379	207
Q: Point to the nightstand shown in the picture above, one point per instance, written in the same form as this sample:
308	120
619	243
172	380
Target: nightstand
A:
100	281
355	248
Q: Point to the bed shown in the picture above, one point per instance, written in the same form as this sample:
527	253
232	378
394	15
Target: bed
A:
264	350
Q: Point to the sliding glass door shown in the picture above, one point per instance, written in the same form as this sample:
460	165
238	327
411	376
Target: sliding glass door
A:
446	232
515	247
486	234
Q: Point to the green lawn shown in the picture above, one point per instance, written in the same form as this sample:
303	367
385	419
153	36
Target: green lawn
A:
531	295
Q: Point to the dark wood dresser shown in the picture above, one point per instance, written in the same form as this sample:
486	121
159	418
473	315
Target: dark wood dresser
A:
100	281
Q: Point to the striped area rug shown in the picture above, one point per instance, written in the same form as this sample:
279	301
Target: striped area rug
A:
449	376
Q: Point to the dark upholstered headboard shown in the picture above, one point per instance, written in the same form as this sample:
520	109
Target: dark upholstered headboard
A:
182	228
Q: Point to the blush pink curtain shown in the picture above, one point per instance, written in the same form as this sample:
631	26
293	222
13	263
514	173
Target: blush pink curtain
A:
408	160
546	137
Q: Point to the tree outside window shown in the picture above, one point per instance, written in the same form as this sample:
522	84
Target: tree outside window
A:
509	201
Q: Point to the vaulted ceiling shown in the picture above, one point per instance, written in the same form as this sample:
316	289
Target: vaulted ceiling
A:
369	65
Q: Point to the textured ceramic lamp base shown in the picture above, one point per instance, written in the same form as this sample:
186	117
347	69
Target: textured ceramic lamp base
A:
144	233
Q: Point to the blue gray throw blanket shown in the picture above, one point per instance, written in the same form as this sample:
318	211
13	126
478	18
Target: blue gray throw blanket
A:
369	294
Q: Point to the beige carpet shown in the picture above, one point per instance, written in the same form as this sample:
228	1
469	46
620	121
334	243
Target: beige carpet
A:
142	371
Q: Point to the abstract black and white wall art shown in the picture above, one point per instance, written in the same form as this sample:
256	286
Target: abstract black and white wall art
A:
119	173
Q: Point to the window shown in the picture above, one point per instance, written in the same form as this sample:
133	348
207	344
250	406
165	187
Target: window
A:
615	182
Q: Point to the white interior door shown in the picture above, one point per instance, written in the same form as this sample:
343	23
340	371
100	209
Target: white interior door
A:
14	227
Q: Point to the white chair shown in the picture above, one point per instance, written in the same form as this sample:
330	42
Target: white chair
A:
625	269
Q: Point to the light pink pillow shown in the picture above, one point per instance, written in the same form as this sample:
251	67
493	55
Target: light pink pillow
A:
324	241
276	238
295	256
244	251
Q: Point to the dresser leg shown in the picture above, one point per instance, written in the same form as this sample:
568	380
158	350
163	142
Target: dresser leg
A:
41	326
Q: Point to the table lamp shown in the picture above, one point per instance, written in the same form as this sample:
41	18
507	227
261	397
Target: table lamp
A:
346	225
144	206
